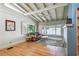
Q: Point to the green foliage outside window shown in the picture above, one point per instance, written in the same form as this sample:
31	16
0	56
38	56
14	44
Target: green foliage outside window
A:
30	28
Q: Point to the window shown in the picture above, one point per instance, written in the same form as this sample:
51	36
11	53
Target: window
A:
43	31
52	30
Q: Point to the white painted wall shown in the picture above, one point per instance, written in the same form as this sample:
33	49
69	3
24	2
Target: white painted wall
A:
65	38
11	36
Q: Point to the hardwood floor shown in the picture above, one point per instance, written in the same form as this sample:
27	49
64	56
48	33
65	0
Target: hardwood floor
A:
28	49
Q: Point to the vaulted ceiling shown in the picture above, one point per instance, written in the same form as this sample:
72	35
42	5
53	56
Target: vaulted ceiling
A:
41	12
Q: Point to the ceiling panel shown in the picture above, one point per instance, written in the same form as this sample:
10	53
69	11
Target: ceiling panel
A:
65	11
45	13
60	13
41	14
33	6
49	14
29	8
26	7
51	11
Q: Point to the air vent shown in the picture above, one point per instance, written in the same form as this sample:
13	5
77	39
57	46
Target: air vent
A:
9	48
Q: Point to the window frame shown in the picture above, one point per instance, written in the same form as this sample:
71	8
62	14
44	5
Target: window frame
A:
45	28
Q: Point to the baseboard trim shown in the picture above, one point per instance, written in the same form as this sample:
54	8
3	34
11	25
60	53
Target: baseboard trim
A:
12	44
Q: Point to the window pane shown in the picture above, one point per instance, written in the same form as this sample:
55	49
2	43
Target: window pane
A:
43	31
51	31
58	31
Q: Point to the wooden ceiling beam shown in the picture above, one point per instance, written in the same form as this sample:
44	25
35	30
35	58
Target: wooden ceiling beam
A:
33	10
41	12
56	14
48	12
63	12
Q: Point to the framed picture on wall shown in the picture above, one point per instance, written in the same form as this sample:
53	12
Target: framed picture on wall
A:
9	25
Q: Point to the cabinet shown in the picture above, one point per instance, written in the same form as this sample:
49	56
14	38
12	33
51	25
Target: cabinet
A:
77	31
